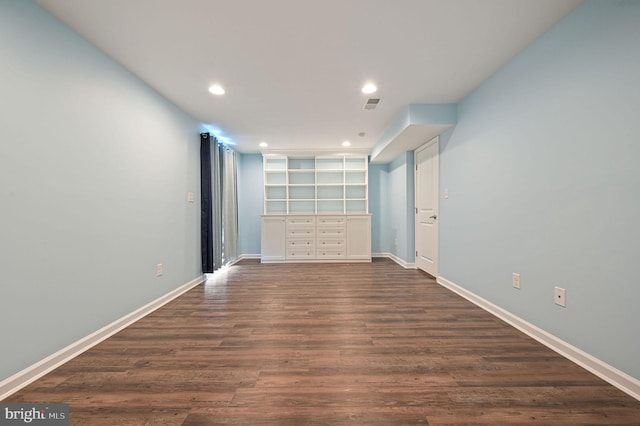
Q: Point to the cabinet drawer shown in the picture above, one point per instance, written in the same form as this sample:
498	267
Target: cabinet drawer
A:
330	254
331	221
331	232
300	254
300	232
302	244
301	220
331	243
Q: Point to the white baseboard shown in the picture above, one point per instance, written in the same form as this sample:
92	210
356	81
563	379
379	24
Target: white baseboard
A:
248	256
42	367
617	378
396	259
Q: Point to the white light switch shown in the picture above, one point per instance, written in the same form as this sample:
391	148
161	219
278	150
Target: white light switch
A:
446	193
191	197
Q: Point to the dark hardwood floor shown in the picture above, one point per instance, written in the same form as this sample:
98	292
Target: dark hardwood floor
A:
312	344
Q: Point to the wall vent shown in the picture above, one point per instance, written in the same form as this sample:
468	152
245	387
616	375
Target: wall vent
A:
371	103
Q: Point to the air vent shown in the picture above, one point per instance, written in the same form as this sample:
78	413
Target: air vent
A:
371	103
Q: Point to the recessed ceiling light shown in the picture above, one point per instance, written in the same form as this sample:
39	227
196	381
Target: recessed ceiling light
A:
216	89
369	88
346	143
264	144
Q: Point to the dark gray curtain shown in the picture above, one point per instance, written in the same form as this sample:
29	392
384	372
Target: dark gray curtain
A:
206	203
219	217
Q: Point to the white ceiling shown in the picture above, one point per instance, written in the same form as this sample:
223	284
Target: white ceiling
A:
293	69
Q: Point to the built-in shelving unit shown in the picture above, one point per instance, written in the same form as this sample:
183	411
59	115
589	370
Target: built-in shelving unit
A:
315	185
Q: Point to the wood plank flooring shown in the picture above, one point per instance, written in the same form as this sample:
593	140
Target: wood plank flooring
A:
361	344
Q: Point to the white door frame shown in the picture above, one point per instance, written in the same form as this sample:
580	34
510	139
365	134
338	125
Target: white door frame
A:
435	140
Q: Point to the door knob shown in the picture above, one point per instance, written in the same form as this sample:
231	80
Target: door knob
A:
434	217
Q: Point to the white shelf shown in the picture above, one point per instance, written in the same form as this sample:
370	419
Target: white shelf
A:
315	185
278	163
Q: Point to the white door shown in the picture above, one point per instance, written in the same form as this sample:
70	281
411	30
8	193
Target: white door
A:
427	172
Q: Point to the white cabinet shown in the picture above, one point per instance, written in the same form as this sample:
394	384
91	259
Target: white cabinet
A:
331	237
273	237
301	237
316	209
359	237
316	238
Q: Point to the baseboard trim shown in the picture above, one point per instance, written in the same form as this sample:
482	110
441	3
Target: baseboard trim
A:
248	256
617	378
42	367
396	259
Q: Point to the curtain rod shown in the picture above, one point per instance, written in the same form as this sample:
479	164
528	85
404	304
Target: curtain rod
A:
220	143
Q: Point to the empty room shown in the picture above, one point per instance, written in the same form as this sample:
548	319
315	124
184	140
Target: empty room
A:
319	212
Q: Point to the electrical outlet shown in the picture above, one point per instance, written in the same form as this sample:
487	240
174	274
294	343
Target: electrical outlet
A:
515	280
159	270
560	296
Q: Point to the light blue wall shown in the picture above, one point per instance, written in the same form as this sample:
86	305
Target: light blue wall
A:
379	208
410	212
433	114
400	204
250	202
543	180
94	169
